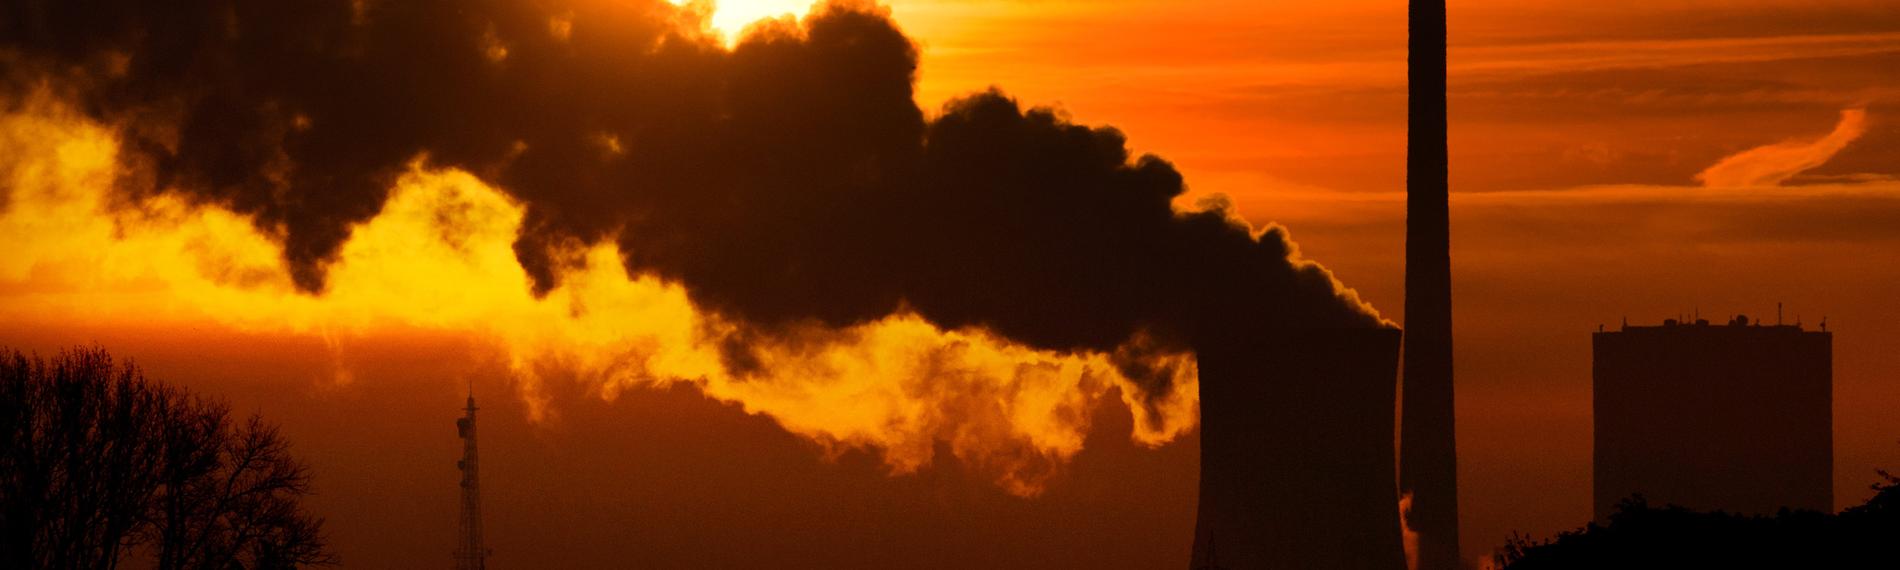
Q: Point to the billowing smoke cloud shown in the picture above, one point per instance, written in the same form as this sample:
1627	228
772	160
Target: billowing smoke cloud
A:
1776	163
789	180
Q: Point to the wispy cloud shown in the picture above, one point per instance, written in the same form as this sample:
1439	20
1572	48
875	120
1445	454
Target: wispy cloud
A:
1773	164
1578	56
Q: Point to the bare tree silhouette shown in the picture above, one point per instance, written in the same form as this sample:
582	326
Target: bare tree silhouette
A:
99	465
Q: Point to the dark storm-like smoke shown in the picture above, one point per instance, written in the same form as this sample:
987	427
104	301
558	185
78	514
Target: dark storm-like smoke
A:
789	179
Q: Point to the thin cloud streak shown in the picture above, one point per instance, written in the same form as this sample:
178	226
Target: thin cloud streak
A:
1774	164
1558	57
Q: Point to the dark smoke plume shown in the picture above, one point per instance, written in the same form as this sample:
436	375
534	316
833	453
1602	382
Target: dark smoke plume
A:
791	179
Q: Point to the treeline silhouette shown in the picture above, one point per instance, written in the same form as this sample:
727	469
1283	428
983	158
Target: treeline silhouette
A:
1643	536
100	466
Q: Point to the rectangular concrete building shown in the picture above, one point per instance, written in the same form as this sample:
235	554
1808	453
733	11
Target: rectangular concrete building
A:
1735	417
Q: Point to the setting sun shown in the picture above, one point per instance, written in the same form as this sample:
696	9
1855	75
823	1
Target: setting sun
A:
730	17
949	284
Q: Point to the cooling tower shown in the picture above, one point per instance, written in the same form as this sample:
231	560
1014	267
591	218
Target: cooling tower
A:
1297	452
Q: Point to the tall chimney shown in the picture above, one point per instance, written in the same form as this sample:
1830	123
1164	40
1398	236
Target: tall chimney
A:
1428	455
1296	451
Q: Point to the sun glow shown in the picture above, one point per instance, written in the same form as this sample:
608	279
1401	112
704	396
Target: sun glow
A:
438	259
730	17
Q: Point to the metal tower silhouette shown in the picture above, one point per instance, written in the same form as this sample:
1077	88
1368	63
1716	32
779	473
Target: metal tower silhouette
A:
470	553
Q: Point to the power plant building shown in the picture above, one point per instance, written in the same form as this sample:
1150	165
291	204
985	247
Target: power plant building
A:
1297	466
1735	417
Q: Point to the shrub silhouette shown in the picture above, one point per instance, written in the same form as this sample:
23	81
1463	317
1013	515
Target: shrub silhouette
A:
1642	536
99	466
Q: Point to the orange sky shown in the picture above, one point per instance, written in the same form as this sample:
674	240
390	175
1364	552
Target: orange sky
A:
1578	131
1585	145
1585	126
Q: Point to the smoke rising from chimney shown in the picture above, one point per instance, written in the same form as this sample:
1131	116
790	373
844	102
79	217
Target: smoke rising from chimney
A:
791	179
436	264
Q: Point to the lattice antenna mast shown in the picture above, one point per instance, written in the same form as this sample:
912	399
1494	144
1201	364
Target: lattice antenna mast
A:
470	553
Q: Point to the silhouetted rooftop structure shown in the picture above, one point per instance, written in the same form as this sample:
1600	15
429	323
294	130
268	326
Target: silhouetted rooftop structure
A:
1735	417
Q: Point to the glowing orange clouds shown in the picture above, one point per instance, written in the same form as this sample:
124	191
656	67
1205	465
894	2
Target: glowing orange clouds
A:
438	258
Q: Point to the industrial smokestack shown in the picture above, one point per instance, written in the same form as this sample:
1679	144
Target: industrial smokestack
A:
1428	442
1296	451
